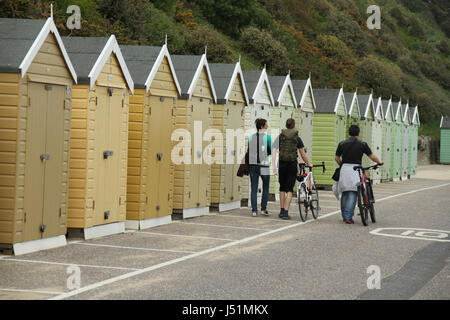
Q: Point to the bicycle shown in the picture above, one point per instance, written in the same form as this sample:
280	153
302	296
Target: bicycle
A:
366	198
307	194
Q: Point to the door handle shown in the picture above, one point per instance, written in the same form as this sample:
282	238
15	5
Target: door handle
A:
159	156
45	156
107	153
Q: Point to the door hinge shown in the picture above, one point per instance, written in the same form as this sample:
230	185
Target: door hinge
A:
123	103
60	212
96	101
93	204
25	217
168	196
172	112
120	200
146	200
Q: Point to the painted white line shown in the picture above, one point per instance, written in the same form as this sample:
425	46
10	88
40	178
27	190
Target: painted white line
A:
183	236
194	255
31	291
132	248
411	192
69	264
220	226
253	218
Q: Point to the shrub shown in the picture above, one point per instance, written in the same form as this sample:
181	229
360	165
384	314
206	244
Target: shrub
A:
333	47
348	31
407	64
197	39
266	50
415	28
380	76
398	15
444	47
158	26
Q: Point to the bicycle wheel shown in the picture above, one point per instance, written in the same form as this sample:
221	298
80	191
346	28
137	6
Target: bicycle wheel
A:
371	201
301	200
314	203
363	211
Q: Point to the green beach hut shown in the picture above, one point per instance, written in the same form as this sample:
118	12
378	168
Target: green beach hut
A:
405	141
328	130
368	128
413	140
354	112
397	139
388	119
304	113
445	140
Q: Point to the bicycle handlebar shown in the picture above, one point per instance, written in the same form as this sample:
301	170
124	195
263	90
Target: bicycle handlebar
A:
365	169
302	164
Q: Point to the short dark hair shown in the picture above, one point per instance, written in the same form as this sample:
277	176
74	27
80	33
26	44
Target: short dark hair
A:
290	123
260	122
353	131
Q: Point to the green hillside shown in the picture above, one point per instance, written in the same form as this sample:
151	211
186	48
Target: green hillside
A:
409	57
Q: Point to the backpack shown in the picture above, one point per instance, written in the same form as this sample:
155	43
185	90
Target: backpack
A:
288	145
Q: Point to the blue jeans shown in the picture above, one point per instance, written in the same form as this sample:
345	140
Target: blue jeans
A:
348	203
255	173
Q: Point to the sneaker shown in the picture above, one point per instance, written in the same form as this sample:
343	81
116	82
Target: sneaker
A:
347	222
286	216
281	213
254	213
265	213
352	222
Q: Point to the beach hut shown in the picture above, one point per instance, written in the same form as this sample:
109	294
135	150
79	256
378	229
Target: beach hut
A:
354	112
260	102
304	113
371	132
98	137
397	141
413	140
388	118
444	156
328	130
406	121
150	182
228	114
283	109
193	120
36	77
377	137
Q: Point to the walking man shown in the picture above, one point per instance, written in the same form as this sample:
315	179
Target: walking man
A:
288	142
351	151
259	146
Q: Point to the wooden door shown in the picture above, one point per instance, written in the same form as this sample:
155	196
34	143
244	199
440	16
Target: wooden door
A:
34	166
54	167
237	123
113	163
44	161
108	116
204	192
159	162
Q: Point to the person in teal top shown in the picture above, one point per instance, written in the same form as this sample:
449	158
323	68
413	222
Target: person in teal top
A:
260	149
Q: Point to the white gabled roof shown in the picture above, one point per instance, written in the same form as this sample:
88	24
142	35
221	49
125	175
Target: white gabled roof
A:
203	63
353	103
341	95
111	47
263	78
49	27
406	117
163	53
379	108
237	72
308	86
370	104
287	84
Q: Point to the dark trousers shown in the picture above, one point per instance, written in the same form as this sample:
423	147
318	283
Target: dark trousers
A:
256	172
